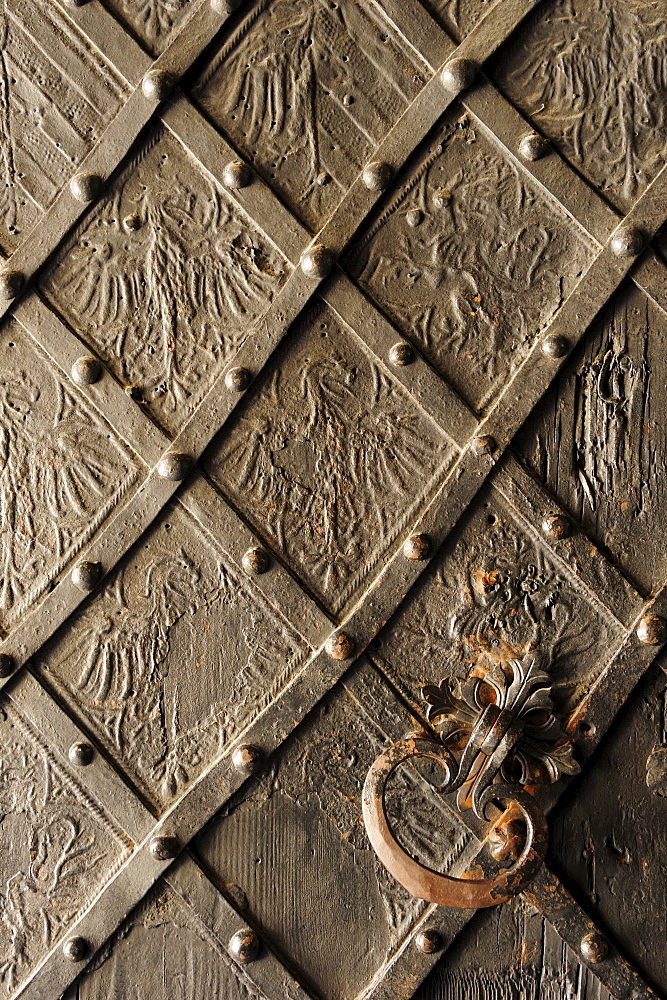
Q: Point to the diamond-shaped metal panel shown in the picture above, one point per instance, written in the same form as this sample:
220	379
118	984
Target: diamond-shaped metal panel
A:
309	93
63	471
469	259
329	458
591	76
164	277
172	659
57	93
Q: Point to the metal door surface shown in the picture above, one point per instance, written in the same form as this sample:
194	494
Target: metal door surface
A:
333	362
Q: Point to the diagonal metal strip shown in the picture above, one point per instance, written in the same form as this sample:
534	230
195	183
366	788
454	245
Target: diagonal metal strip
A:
187	44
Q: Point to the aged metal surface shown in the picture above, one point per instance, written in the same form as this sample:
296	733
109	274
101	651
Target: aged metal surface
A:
327	326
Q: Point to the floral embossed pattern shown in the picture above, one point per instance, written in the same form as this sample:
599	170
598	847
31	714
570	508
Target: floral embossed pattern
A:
58	849
56	95
329	459
469	261
152	21
163	278
495	590
307	89
171	659
592	75
50	506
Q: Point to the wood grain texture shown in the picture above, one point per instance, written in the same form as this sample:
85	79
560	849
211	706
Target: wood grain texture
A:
611	847
291	849
598	441
510	953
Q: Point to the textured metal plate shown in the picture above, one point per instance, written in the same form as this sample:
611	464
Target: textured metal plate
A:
331	296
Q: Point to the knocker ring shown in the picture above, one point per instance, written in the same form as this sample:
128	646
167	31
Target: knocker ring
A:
497	734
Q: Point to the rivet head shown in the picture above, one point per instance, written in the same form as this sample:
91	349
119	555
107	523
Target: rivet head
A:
86	370
484	445
652	630
7	665
11	283
164	848
533	146
317	262
85	187
245	946
76	949
81	754
86	575
627	242
594	947
556	526
236	174
157	85
429	941
339	646
255	561
401	354
555	346
174	465
225	7
247	758
238	379
376	176
414	217
417	547
459	74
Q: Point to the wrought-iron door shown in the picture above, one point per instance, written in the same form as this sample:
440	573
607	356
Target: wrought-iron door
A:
334	350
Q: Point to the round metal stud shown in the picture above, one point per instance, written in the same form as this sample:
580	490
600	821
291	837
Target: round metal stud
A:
627	242
429	941
256	561
247	758
459	74
652	630
533	146
594	947
157	85
174	465
238	379
81	754
86	370
76	949
417	547
11	283
87	575
555	346
85	187
401	354
414	217
245	946
339	646
556	526
236	174
164	848
7	665
225	7
376	176
317	262
484	445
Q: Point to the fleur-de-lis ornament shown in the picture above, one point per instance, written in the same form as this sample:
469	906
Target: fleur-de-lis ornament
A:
498	736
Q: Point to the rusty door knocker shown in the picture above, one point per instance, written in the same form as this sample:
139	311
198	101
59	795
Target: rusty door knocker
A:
497	735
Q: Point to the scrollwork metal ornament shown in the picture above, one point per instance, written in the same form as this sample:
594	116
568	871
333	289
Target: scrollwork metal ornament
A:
499	737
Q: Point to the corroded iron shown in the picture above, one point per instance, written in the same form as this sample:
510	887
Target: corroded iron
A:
498	733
